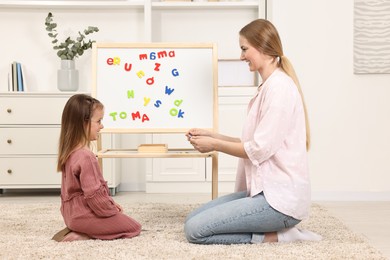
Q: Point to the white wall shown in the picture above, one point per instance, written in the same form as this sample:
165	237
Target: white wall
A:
350	114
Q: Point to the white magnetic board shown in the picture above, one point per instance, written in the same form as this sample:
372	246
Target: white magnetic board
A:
156	87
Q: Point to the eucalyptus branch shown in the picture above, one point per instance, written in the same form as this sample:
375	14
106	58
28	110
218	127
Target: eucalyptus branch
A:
69	49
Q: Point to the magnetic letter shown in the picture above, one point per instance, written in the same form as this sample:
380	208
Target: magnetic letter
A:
157	67
146	101
130	93
152	55
168	90
173	112
135	115
158	103
143	57
145	118
181	113
178	102
175	73
117	61
123	115
162	54
110	61
140	74
150	81
128	66
113	115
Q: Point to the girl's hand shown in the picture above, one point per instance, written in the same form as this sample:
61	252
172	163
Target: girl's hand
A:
119	207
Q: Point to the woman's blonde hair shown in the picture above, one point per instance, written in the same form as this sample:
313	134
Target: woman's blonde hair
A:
75	125
263	35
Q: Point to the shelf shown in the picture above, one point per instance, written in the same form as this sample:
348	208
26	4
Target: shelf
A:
172	153
72	4
39	94
129	3
205	5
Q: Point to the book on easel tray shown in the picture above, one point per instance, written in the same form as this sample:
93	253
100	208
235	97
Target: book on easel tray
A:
153	148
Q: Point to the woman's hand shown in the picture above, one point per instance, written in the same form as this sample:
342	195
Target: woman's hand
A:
203	144
197	132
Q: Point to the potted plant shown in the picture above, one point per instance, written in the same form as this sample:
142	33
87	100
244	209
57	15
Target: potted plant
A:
67	51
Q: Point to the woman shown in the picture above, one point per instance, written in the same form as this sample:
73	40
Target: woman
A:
272	192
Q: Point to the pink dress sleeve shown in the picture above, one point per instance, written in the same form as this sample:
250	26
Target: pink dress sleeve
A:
95	189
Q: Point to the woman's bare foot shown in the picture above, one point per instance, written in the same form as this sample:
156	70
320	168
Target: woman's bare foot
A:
270	237
74	236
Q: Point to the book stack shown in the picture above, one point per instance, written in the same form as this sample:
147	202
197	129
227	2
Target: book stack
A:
153	148
16	78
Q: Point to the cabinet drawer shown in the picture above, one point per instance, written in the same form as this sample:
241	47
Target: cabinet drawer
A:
31	110
30	170
31	140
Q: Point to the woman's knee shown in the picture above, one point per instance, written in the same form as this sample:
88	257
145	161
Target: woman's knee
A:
192	232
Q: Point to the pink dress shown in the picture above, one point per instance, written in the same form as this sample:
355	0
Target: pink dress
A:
86	205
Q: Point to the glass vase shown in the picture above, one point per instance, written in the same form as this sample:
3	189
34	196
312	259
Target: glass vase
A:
68	76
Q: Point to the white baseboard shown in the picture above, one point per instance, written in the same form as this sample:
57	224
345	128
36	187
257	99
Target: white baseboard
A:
186	187
228	187
350	196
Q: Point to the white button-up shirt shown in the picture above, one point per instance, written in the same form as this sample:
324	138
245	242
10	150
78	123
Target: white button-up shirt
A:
274	137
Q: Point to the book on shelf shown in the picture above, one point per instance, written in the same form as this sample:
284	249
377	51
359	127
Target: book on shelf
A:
16	77
10	78
19	77
25	87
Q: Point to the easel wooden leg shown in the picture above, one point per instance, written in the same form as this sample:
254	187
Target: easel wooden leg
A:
214	176
99	147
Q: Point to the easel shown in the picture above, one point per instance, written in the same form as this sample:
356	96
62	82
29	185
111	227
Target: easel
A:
203	69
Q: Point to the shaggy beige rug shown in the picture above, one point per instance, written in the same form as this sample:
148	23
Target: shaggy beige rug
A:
26	231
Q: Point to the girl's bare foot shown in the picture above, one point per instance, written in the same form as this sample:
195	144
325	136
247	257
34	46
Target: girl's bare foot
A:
59	236
74	236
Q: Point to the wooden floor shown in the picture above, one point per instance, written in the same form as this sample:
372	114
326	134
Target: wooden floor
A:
371	219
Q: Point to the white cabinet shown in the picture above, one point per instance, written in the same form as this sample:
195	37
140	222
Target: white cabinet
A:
29	133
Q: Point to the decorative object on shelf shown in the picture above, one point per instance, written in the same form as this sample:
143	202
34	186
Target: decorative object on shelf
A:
67	51
68	76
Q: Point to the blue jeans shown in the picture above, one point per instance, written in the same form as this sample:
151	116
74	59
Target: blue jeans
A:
235	219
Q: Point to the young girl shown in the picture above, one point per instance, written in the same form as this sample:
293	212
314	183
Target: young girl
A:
86	206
